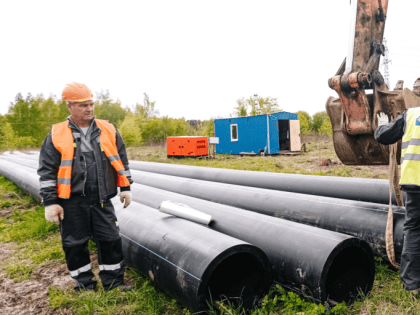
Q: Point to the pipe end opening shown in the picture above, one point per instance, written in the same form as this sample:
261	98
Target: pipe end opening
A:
242	279
350	275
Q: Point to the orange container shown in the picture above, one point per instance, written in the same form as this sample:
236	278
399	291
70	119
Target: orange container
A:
187	146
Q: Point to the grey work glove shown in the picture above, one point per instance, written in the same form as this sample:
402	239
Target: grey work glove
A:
125	196
53	213
382	119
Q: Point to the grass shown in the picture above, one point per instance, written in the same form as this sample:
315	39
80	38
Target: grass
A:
309	162
36	244
143	299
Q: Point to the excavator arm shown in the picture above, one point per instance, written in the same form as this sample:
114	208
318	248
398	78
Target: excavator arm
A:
353	114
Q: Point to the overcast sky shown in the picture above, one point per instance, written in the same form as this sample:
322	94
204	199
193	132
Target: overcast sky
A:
194	58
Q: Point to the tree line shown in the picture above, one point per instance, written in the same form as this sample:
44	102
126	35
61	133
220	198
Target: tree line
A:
319	123
29	120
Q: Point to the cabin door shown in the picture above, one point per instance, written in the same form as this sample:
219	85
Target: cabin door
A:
284	135
294	135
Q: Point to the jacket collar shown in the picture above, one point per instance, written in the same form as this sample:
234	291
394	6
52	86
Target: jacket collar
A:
92	126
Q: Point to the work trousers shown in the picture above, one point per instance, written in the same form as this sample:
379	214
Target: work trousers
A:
410	257
84	219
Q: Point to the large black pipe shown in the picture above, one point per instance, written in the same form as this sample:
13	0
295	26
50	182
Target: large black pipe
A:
361	219
21	155
23	176
323	264
189	261
361	189
31	163
192	263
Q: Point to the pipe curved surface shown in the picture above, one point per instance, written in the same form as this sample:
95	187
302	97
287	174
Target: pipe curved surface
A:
31	163
360	189
320	263
360	219
23	176
190	262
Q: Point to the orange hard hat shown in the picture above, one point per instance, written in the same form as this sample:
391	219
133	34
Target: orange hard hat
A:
76	92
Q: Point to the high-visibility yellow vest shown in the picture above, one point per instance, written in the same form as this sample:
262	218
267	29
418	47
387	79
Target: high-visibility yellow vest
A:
62	138
410	149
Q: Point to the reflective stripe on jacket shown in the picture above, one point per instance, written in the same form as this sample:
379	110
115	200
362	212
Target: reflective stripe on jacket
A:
410	149
63	141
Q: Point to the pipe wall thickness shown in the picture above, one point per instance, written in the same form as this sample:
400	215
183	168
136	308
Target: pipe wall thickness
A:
360	219
322	264
189	261
360	189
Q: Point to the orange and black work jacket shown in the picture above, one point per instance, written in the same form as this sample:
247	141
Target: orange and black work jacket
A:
62	168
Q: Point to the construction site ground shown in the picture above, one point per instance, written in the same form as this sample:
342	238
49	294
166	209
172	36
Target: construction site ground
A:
318	149
34	278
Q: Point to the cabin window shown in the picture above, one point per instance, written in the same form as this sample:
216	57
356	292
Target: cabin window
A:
234	132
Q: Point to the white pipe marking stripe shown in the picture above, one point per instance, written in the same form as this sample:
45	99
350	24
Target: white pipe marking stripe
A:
75	273
110	267
161	257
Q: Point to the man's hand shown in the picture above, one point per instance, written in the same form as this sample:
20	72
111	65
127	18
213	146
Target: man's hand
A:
382	119
53	212
125	196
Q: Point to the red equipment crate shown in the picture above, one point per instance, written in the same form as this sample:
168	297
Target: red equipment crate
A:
187	146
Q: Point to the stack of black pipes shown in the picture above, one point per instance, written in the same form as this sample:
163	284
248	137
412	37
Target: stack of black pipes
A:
316	245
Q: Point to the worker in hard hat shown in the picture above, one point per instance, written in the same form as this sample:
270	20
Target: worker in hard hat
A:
407	127
82	162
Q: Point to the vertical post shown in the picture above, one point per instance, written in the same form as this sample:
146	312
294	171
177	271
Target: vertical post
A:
268	134
385	62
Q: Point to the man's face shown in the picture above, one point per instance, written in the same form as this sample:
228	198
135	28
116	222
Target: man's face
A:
81	112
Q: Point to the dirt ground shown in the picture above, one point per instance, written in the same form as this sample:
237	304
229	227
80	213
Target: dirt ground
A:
30	296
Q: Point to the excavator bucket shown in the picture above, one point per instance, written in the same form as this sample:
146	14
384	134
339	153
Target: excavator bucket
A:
360	149
353	114
363	149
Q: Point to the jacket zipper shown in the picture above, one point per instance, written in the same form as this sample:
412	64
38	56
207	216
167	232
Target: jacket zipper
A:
84	159
84	183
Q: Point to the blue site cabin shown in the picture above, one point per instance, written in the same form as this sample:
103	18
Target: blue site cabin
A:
261	134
